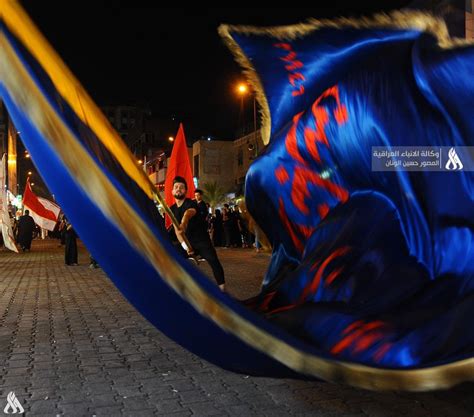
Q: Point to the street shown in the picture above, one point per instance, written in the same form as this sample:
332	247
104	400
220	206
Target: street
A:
71	345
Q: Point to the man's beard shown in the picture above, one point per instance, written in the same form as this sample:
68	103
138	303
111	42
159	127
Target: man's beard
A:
180	196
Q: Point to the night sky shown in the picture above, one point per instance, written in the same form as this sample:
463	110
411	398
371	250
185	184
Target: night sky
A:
171	60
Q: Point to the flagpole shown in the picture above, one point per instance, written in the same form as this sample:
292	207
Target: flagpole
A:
172	217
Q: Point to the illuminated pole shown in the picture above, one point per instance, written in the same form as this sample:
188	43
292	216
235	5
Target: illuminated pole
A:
242	89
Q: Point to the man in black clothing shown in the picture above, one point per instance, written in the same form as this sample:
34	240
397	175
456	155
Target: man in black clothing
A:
25	229
70	250
195	228
202	206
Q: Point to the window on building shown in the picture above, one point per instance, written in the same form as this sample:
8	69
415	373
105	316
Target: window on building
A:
196	166
240	157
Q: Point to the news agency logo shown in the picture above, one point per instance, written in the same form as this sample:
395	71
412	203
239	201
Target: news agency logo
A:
454	163
13	406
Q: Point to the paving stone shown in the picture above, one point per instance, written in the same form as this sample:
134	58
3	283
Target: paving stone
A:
225	399
18	363
135	403
240	410
188	397
111	411
12	372
43	406
15	380
42	394
71	410
260	400
163	394
127	391
276	412
182	385
184	413
103	400
205	409
141	413
169	406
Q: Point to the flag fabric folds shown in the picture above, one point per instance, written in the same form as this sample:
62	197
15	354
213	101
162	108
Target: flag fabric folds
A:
5	221
303	325
370	267
44	212
179	165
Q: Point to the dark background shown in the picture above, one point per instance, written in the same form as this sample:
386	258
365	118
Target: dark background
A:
169	59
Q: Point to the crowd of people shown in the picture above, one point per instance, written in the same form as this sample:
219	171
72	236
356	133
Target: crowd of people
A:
199	227
230	228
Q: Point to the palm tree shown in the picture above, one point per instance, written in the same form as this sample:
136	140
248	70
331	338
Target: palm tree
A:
213	194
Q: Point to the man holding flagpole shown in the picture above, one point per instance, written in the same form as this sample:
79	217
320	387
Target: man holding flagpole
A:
179	165
194	226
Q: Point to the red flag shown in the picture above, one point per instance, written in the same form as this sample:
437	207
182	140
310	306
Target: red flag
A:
179	165
44	212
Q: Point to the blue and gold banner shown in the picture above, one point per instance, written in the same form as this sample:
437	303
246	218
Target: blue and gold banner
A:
366	265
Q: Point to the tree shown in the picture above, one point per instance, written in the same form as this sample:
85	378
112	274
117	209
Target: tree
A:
214	194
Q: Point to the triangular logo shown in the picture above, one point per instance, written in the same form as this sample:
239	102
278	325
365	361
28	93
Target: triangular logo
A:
454	162
13	406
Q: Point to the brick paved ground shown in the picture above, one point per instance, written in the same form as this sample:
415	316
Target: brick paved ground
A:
70	345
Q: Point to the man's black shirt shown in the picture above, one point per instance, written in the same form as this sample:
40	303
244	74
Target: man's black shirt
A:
202	209
197	229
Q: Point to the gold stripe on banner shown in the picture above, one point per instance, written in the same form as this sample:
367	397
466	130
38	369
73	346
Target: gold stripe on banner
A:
95	184
403	20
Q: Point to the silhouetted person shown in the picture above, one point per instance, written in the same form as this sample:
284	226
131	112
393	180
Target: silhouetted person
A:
26	227
227	224
217	229
70	251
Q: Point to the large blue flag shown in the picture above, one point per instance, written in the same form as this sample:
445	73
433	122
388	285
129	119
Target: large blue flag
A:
357	285
370	265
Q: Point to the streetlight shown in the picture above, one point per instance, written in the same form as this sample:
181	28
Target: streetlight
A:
171	138
242	90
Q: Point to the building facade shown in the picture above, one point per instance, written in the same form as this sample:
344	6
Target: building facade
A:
245	150
126	120
213	161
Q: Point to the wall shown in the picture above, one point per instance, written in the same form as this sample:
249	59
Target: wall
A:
215	163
